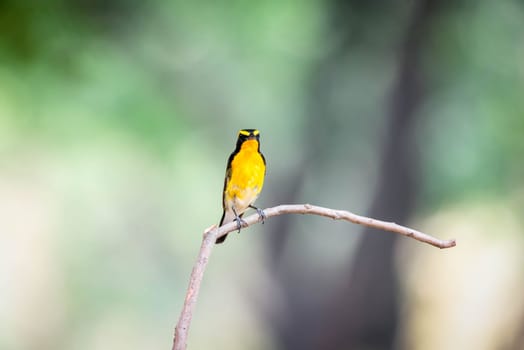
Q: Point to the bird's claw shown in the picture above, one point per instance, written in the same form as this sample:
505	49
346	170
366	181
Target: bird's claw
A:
261	215
240	223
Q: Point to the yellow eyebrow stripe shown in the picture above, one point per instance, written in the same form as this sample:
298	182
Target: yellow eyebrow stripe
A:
248	132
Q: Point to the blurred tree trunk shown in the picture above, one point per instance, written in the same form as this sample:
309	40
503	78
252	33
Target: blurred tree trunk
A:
361	312
364	312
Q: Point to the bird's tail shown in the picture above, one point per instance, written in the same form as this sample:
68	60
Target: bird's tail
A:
223	238
227	217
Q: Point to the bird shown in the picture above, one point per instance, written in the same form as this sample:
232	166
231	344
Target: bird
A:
245	173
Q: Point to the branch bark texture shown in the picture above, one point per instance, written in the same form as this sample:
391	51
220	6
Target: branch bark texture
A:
212	233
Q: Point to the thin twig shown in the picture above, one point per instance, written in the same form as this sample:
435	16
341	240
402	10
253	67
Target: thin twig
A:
212	233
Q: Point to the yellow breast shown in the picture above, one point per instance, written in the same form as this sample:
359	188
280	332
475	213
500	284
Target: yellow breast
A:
247	174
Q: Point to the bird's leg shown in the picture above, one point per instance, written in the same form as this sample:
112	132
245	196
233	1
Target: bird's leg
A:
260	212
239	220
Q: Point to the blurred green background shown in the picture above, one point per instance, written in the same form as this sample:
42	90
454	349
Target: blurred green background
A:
116	121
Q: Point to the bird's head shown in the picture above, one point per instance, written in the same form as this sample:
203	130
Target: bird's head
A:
247	135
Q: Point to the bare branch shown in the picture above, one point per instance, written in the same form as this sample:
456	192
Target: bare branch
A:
212	233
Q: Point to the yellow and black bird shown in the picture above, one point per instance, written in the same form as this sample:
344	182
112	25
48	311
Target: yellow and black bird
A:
245	172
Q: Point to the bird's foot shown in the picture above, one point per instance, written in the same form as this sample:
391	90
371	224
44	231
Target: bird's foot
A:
240	222
261	215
